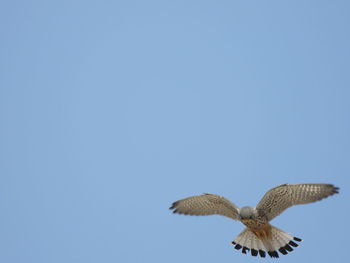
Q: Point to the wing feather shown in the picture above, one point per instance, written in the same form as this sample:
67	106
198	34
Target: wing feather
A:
278	199
206	204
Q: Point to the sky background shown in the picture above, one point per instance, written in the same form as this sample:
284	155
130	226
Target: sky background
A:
112	110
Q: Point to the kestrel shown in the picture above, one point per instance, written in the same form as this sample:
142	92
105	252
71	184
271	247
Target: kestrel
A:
259	236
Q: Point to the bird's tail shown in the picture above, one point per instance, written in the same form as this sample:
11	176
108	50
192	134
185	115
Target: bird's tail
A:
270	240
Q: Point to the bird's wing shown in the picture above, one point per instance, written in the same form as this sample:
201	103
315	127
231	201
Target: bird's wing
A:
278	199
206	204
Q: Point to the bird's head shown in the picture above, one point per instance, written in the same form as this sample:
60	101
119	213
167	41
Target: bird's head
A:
248	212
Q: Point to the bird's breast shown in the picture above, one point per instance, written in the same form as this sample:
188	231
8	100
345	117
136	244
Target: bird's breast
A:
260	228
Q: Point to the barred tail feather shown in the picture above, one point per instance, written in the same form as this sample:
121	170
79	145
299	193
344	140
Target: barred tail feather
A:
277	241
248	241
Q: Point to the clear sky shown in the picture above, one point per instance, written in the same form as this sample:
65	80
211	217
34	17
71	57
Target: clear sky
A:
112	110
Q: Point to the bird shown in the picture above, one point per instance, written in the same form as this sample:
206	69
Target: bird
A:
259	237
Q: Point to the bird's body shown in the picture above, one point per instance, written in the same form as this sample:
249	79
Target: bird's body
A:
256	225
259	236
251	218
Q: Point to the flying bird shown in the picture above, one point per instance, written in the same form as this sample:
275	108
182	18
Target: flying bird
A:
259	236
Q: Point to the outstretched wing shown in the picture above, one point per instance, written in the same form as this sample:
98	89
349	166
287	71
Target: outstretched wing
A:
278	199
206	204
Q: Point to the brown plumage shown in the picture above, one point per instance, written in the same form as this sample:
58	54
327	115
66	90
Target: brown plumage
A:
259	236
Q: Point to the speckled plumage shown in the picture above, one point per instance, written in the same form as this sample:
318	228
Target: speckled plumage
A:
260	235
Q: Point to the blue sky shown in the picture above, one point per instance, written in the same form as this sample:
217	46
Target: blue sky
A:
112	110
